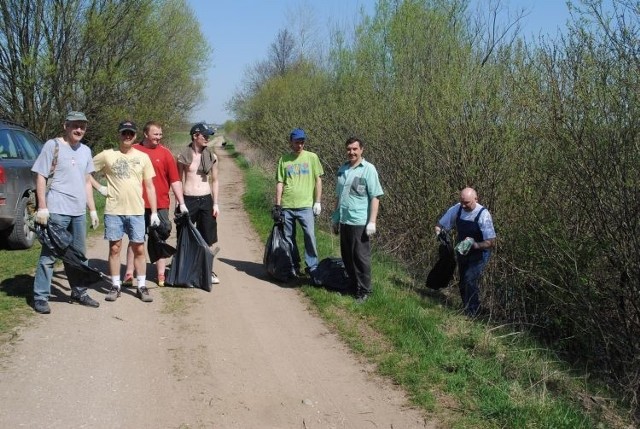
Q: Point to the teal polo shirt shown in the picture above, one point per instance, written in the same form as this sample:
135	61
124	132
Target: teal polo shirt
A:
355	188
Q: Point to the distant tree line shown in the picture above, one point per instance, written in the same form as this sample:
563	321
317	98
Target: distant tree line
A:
137	59
547	132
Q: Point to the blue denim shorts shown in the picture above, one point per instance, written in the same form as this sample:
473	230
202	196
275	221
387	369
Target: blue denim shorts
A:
115	226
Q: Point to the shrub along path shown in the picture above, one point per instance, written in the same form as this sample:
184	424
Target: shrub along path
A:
247	355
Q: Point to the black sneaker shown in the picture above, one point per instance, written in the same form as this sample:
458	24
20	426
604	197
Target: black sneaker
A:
362	298
85	300
41	306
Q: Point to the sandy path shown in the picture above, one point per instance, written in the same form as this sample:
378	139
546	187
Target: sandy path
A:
247	355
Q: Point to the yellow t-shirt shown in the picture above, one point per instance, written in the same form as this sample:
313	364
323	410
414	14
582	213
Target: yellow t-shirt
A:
124	173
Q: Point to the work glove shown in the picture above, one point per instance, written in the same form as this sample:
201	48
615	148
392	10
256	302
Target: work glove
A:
103	190
438	230
465	246
154	220
276	213
94	219
317	208
370	229
42	216
216	210
183	209
335	227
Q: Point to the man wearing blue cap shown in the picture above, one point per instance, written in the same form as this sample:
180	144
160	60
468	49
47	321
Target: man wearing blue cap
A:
298	194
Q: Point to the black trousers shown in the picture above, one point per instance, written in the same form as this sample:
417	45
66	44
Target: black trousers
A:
355	250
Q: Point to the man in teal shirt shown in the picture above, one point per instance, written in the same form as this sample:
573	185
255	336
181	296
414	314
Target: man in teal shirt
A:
358	191
298	193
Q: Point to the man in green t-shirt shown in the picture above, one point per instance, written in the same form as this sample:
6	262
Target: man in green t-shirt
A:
298	193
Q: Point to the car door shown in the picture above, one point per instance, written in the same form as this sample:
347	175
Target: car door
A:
27	153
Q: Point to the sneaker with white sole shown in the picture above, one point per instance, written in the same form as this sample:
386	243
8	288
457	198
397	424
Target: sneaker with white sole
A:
214	279
128	280
114	293
144	295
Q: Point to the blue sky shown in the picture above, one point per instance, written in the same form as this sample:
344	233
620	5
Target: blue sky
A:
240	32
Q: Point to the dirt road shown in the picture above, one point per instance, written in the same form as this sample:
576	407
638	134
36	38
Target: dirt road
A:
249	354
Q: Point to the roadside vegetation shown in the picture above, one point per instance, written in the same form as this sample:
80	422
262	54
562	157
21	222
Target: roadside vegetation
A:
546	130
466	373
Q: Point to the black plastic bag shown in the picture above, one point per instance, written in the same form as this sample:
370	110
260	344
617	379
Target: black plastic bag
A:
331	274
442	272
193	261
156	245
277	258
58	239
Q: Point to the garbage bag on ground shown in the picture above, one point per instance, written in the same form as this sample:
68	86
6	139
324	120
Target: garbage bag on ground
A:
277	258
58	240
444	268
331	274
193	261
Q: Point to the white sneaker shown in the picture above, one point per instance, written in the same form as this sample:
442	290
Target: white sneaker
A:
214	279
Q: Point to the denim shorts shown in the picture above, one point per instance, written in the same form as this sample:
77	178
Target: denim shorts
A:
115	226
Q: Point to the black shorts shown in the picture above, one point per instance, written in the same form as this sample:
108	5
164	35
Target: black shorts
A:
163	214
201	214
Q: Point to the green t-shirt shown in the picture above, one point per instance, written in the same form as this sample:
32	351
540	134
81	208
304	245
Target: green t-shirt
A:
298	176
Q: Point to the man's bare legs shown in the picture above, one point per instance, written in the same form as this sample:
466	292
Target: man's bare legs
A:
161	266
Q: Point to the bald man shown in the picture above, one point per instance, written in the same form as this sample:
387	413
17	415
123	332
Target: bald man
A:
471	220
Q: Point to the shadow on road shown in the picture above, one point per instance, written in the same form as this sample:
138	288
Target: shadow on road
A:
257	271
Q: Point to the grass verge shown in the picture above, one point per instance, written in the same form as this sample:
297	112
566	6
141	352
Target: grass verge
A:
17	269
465	373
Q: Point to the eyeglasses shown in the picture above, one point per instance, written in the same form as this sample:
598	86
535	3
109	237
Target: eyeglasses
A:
74	125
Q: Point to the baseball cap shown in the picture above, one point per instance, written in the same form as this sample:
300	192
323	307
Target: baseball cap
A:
297	134
127	126
75	116
202	128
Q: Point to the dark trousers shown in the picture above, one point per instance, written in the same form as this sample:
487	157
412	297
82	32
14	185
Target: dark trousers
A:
201	214
470	272
355	250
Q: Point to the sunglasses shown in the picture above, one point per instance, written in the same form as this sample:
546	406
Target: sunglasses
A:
127	133
205	136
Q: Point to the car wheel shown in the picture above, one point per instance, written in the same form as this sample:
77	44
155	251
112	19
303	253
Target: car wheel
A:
21	237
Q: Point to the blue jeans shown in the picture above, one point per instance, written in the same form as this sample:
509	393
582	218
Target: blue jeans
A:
470	272
77	226
307	222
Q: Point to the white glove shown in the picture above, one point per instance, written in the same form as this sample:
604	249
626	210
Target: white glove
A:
370	229
42	216
317	208
216	210
183	208
103	190
154	220
438	229
94	219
